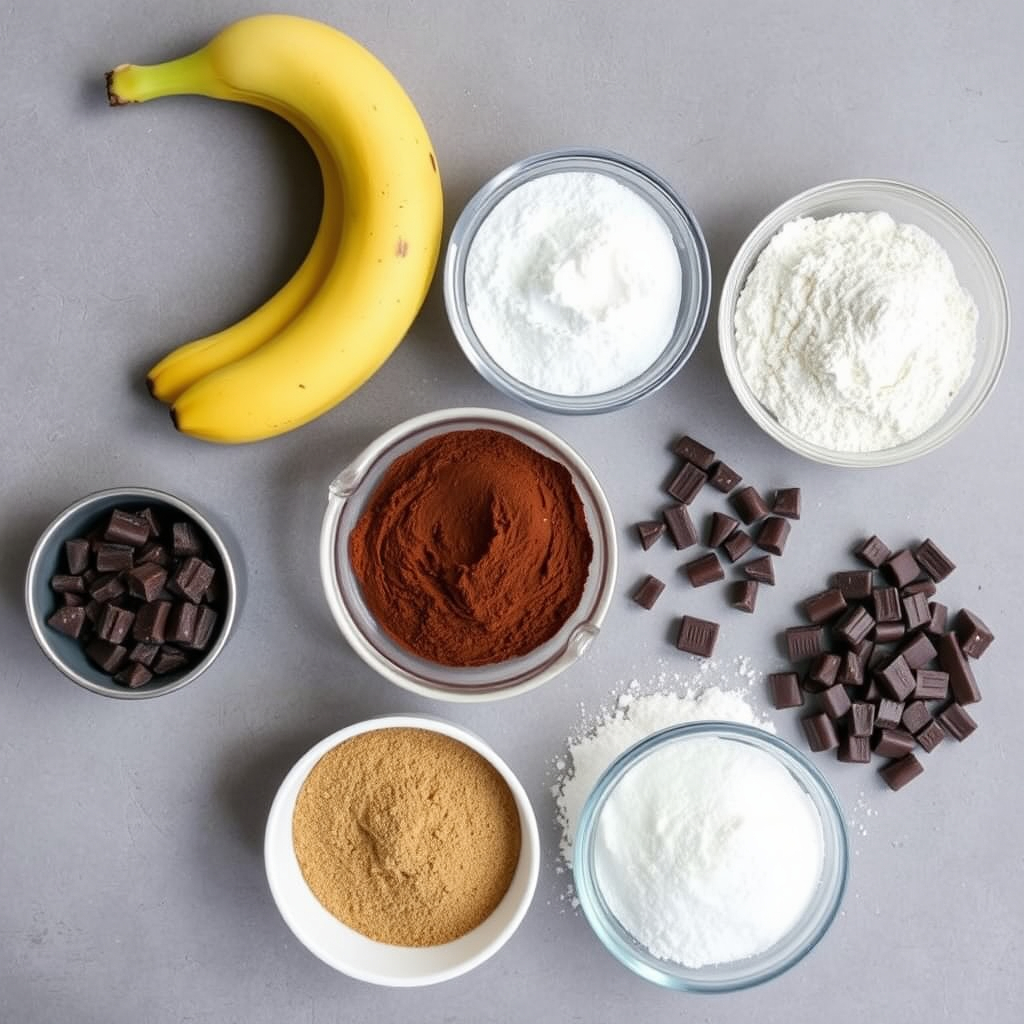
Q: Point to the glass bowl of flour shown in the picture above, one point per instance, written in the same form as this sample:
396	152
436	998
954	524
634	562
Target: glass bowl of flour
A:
863	323
577	281
710	857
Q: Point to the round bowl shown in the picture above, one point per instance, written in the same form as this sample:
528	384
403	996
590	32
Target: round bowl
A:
354	954
348	495
739	974
975	267
66	653
693	259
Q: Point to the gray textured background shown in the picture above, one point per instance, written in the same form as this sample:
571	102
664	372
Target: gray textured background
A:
131	880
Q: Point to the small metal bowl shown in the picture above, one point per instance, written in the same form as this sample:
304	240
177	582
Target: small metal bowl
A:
66	653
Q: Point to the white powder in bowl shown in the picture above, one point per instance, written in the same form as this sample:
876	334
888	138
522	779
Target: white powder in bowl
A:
573	283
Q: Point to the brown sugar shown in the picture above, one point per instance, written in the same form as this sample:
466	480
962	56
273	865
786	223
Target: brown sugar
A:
407	836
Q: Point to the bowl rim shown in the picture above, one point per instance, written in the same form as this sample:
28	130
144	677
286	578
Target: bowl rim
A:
683	222
743	261
277	845
348	480
598	914
36	616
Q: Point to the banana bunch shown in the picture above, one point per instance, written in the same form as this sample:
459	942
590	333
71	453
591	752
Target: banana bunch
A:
367	273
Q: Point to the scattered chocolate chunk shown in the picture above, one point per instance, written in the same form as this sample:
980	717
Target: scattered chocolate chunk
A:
127	528
693	451
186	541
851	671
820	732
803	642
926	587
889	632
888	714
68	620
893	742
750	505
854	626
697	636
146	581
649	531
106	587
206	619
961	679
114	557
646	594
773	534
107	656
855	585
153	552
939	615
191	579
872	551
114	623
144	653
62	583
149	517
181	622
785	690
744	595
823	671
915	716
761	569
902	568
915	611
898	773
973	635
686	484
133	676
931	735
933	561
722	478
886	601
854	749
170	659
704	570
824	606
931	684
836	702
896	679
862	719
720	526
76	554
957	722
918	651
737	545
151	622
680	526
787	502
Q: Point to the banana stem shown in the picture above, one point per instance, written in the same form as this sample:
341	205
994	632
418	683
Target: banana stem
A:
136	83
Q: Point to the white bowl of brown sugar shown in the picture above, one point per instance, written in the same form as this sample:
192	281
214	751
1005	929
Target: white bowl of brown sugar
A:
402	851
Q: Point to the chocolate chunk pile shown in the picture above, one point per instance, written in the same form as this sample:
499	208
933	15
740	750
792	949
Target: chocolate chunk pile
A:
880	660
140	593
764	526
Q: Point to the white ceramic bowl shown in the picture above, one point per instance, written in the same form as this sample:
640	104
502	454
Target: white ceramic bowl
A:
354	954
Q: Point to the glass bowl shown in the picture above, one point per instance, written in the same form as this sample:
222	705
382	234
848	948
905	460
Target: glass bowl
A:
365	959
975	267
738	974
348	495
693	259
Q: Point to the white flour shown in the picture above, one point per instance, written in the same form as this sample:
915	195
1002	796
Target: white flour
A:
854	331
573	283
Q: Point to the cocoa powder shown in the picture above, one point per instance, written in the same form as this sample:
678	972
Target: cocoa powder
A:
473	549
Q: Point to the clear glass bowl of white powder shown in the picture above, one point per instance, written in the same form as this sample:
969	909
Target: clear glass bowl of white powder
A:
710	857
850	343
577	281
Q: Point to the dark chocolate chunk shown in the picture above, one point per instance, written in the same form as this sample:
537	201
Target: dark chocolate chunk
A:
915	611
704	570
773	534
206	619
181	622
737	545
153	552
855	585
62	583
820	732
926	587
170	659
854	626
961	678
787	502
933	561
76	554
146	581
693	451
722	478
836	701
931	735
649	531
957	722
719	527
686	484
973	635
646	594
697	636
918	651
862	718
889	632
785	690
823	671
744	595
824	606
92	611
896	679
939	614
106	587
893	743
126	528
851	671
870	692
888	714
134	675
803	642
872	551
68	620
151	622
902	568
106	655
931	684
761	569
150	518
144	653
191	578
855	749
114	557
915	716
863	649
898	773
750	505
114	623
71	600
186	541
680	526
887	604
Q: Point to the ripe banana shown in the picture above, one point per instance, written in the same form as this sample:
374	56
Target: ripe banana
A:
332	89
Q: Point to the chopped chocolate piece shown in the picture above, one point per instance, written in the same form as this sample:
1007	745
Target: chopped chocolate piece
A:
809	685
68	620
824	606
144	653
146	581
719	527
887	604
61	583
915	716
181	622
738	544
824	670
820	732
170	659
855	585
974	636
961	677
72	600
915	611
851	671
126	528
896	679
151	622
686	484
191	579
787	503
650	531
680	526
704	570
836	701
785	690
889	632
106	655
693	451
902	568
151	520
646	594
939	613
206	619
863	649
854	626
931	735
804	642
153	552
114	623
106	587
750	505
855	749
898	773
862	718
933	561
893	742
773	534
870	692
888	714
957	722
89	576
722	478
133	676
186	541
92	611
931	684
697	636
76	554
761	569
918	651
114	557
926	587
872	551
744	595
